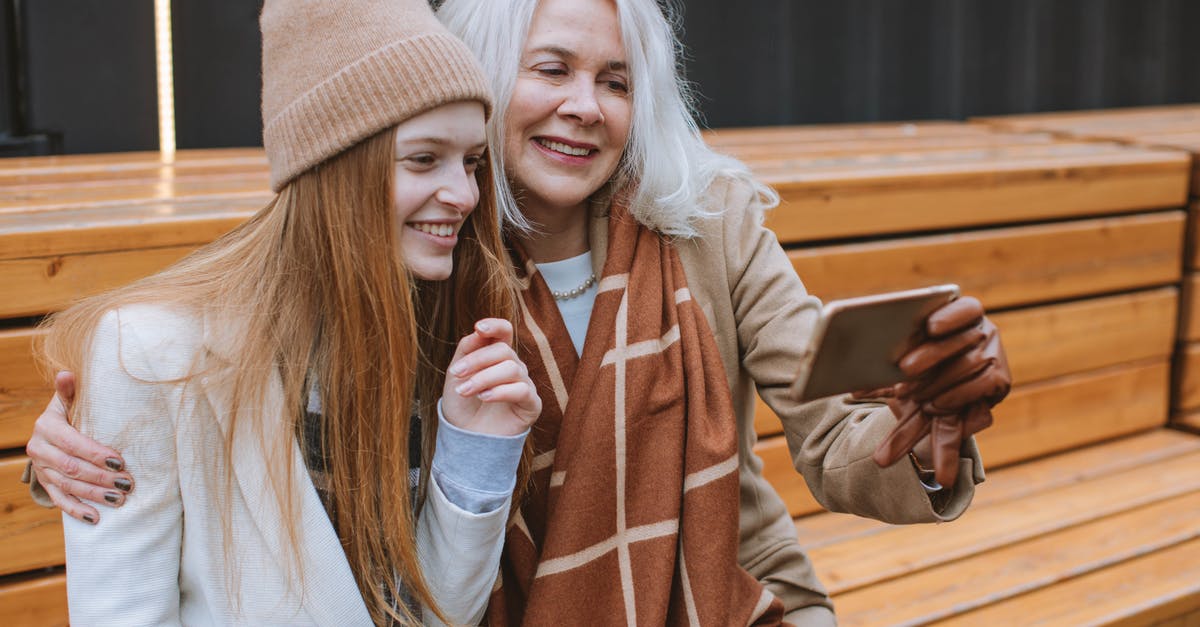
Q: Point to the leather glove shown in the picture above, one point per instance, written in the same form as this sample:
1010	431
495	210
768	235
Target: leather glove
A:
956	376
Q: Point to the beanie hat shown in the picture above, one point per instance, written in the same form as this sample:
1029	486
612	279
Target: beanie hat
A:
338	71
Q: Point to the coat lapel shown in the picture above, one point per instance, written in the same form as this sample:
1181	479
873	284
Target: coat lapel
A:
330	595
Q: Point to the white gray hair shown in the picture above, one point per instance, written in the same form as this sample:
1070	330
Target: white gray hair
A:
666	163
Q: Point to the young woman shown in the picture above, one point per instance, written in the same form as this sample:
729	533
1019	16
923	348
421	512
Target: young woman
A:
262	388
655	306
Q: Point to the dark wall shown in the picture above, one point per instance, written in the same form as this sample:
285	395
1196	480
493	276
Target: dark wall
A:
90	63
90	73
812	61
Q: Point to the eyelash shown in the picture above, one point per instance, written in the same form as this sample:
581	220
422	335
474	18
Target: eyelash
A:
556	72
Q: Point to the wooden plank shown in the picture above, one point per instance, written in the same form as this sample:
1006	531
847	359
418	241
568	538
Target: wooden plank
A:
869	195
1193	229
863	562
36	286
724	137
1024	480
1039	563
30	535
219	162
1056	340
1186	393
1189	308
767	152
106	228
110	161
1075	410
1037	419
23	389
1007	267
1189	422
34	601
33	198
1107	122
1143	591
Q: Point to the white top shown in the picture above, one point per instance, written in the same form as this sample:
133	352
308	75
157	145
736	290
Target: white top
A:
564	276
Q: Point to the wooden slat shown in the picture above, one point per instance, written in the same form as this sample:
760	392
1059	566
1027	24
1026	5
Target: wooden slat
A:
94	229
39	601
1193	236
1186	393
1116	123
35	198
870	195
23	390
1072	411
767	152
1010	266
1024	480
1143	591
110	161
36	286
867	561
195	163
841	132
1187	422
30	536
1189	308
1056	340
982	579
1037	419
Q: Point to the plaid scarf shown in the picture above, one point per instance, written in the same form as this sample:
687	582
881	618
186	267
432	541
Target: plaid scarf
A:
632	516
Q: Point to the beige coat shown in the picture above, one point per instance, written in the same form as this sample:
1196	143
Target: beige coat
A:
762	316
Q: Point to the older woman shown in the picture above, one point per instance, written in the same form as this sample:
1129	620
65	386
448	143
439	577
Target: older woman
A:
655	306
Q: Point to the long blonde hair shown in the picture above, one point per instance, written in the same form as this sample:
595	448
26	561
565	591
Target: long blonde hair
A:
318	293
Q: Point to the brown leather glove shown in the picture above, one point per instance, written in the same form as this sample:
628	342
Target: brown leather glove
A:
957	375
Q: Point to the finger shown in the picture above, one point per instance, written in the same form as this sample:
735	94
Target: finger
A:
483	357
947	436
950	375
60	434
50	458
909	429
978	418
953	316
72	506
496	329
64	386
887	392
505	372
80	490
985	385
520	394
930	354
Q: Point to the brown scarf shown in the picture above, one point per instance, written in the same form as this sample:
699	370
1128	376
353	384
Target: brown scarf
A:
632	516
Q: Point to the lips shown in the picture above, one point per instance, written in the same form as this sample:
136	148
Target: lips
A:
439	229
566	147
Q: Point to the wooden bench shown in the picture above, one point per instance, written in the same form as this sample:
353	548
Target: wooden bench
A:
1075	245
1173	127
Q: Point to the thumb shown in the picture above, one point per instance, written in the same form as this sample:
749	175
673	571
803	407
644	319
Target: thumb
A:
64	385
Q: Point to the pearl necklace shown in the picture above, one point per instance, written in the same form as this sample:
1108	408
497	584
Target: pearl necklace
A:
575	293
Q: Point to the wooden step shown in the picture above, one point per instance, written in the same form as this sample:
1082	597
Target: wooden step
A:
24	392
1142	591
37	286
1186	393
1189	308
30	535
1012	483
104	228
85	169
1193	230
787	135
1056	340
1007	267
832	201
1187	421
1037	419
37	198
872	559
34	601
1039	563
767	153
1114	123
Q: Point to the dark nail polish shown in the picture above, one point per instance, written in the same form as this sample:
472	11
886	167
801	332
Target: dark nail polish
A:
114	464
123	485
91	519
112	497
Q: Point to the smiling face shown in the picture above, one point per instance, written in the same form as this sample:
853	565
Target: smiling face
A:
435	189
569	115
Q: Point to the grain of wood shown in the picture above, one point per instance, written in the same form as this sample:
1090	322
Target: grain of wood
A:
23	389
1007	267
34	601
30	535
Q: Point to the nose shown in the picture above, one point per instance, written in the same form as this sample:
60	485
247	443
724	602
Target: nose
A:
580	102
459	190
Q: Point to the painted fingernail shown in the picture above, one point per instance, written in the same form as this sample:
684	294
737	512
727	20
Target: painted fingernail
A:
484	327
114	464
464	388
123	485
458	369
89	518
112	497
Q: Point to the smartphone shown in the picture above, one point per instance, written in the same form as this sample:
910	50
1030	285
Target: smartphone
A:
858	342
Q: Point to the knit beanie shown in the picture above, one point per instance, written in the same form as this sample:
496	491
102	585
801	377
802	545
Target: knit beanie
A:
338	71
